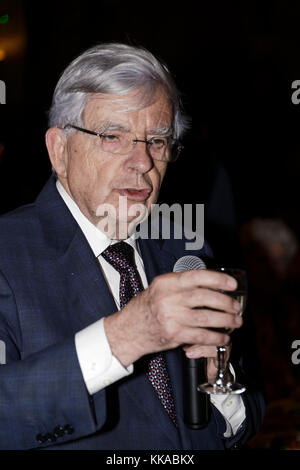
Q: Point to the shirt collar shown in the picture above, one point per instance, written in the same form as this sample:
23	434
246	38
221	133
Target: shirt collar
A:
97	240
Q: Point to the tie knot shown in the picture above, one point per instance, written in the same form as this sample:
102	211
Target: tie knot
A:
120	256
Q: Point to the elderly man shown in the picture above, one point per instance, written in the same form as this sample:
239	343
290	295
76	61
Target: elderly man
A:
93	320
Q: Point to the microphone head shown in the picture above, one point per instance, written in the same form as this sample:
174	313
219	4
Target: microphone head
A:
187	263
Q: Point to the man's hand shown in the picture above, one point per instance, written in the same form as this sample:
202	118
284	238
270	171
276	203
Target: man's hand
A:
167	315
210	352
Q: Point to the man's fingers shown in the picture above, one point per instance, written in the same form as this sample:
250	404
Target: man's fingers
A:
203	337
201	297
206	278
195	351
200	351
204	318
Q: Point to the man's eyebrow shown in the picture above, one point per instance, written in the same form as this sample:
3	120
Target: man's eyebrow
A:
109	126
113	126
165	130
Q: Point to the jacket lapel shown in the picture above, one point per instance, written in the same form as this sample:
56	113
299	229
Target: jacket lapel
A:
89	299
86	286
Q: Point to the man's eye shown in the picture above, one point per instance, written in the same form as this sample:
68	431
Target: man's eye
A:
158	142
110	137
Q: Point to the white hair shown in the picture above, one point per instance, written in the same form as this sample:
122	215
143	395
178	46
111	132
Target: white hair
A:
116	69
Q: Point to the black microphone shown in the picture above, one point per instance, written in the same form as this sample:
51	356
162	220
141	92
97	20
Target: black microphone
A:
195	404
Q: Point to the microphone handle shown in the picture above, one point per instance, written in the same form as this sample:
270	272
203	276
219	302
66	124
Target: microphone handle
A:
196	405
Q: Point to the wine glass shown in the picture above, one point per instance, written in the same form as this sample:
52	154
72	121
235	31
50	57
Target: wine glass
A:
222	386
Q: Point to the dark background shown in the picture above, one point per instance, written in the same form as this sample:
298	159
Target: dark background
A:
234	63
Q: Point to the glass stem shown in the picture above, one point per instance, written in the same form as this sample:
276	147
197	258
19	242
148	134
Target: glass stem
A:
221	365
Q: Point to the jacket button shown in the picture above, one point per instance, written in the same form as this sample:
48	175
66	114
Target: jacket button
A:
50	437
58	431
236	447
40	438
68	429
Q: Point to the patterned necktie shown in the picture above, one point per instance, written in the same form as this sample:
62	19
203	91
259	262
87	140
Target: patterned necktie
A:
121	257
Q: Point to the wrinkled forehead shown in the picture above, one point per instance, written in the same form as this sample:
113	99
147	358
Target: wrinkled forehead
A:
102	105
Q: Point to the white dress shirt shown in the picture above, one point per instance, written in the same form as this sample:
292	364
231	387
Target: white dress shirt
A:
99	367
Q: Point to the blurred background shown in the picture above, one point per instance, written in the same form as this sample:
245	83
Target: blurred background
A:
234	63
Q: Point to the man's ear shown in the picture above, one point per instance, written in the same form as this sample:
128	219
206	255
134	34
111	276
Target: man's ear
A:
56	144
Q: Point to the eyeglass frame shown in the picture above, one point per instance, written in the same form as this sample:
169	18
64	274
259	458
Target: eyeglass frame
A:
147	142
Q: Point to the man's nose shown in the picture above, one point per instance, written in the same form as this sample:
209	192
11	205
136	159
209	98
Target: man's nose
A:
139	157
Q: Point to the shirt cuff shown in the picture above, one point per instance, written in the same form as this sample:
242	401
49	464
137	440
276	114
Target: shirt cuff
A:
232	408
98	366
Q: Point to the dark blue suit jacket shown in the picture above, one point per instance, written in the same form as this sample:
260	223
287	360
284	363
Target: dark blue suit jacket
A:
50	288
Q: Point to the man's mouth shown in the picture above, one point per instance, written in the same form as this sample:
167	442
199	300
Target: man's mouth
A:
133	194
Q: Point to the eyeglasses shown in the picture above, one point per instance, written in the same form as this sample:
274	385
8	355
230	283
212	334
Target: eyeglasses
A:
161	148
